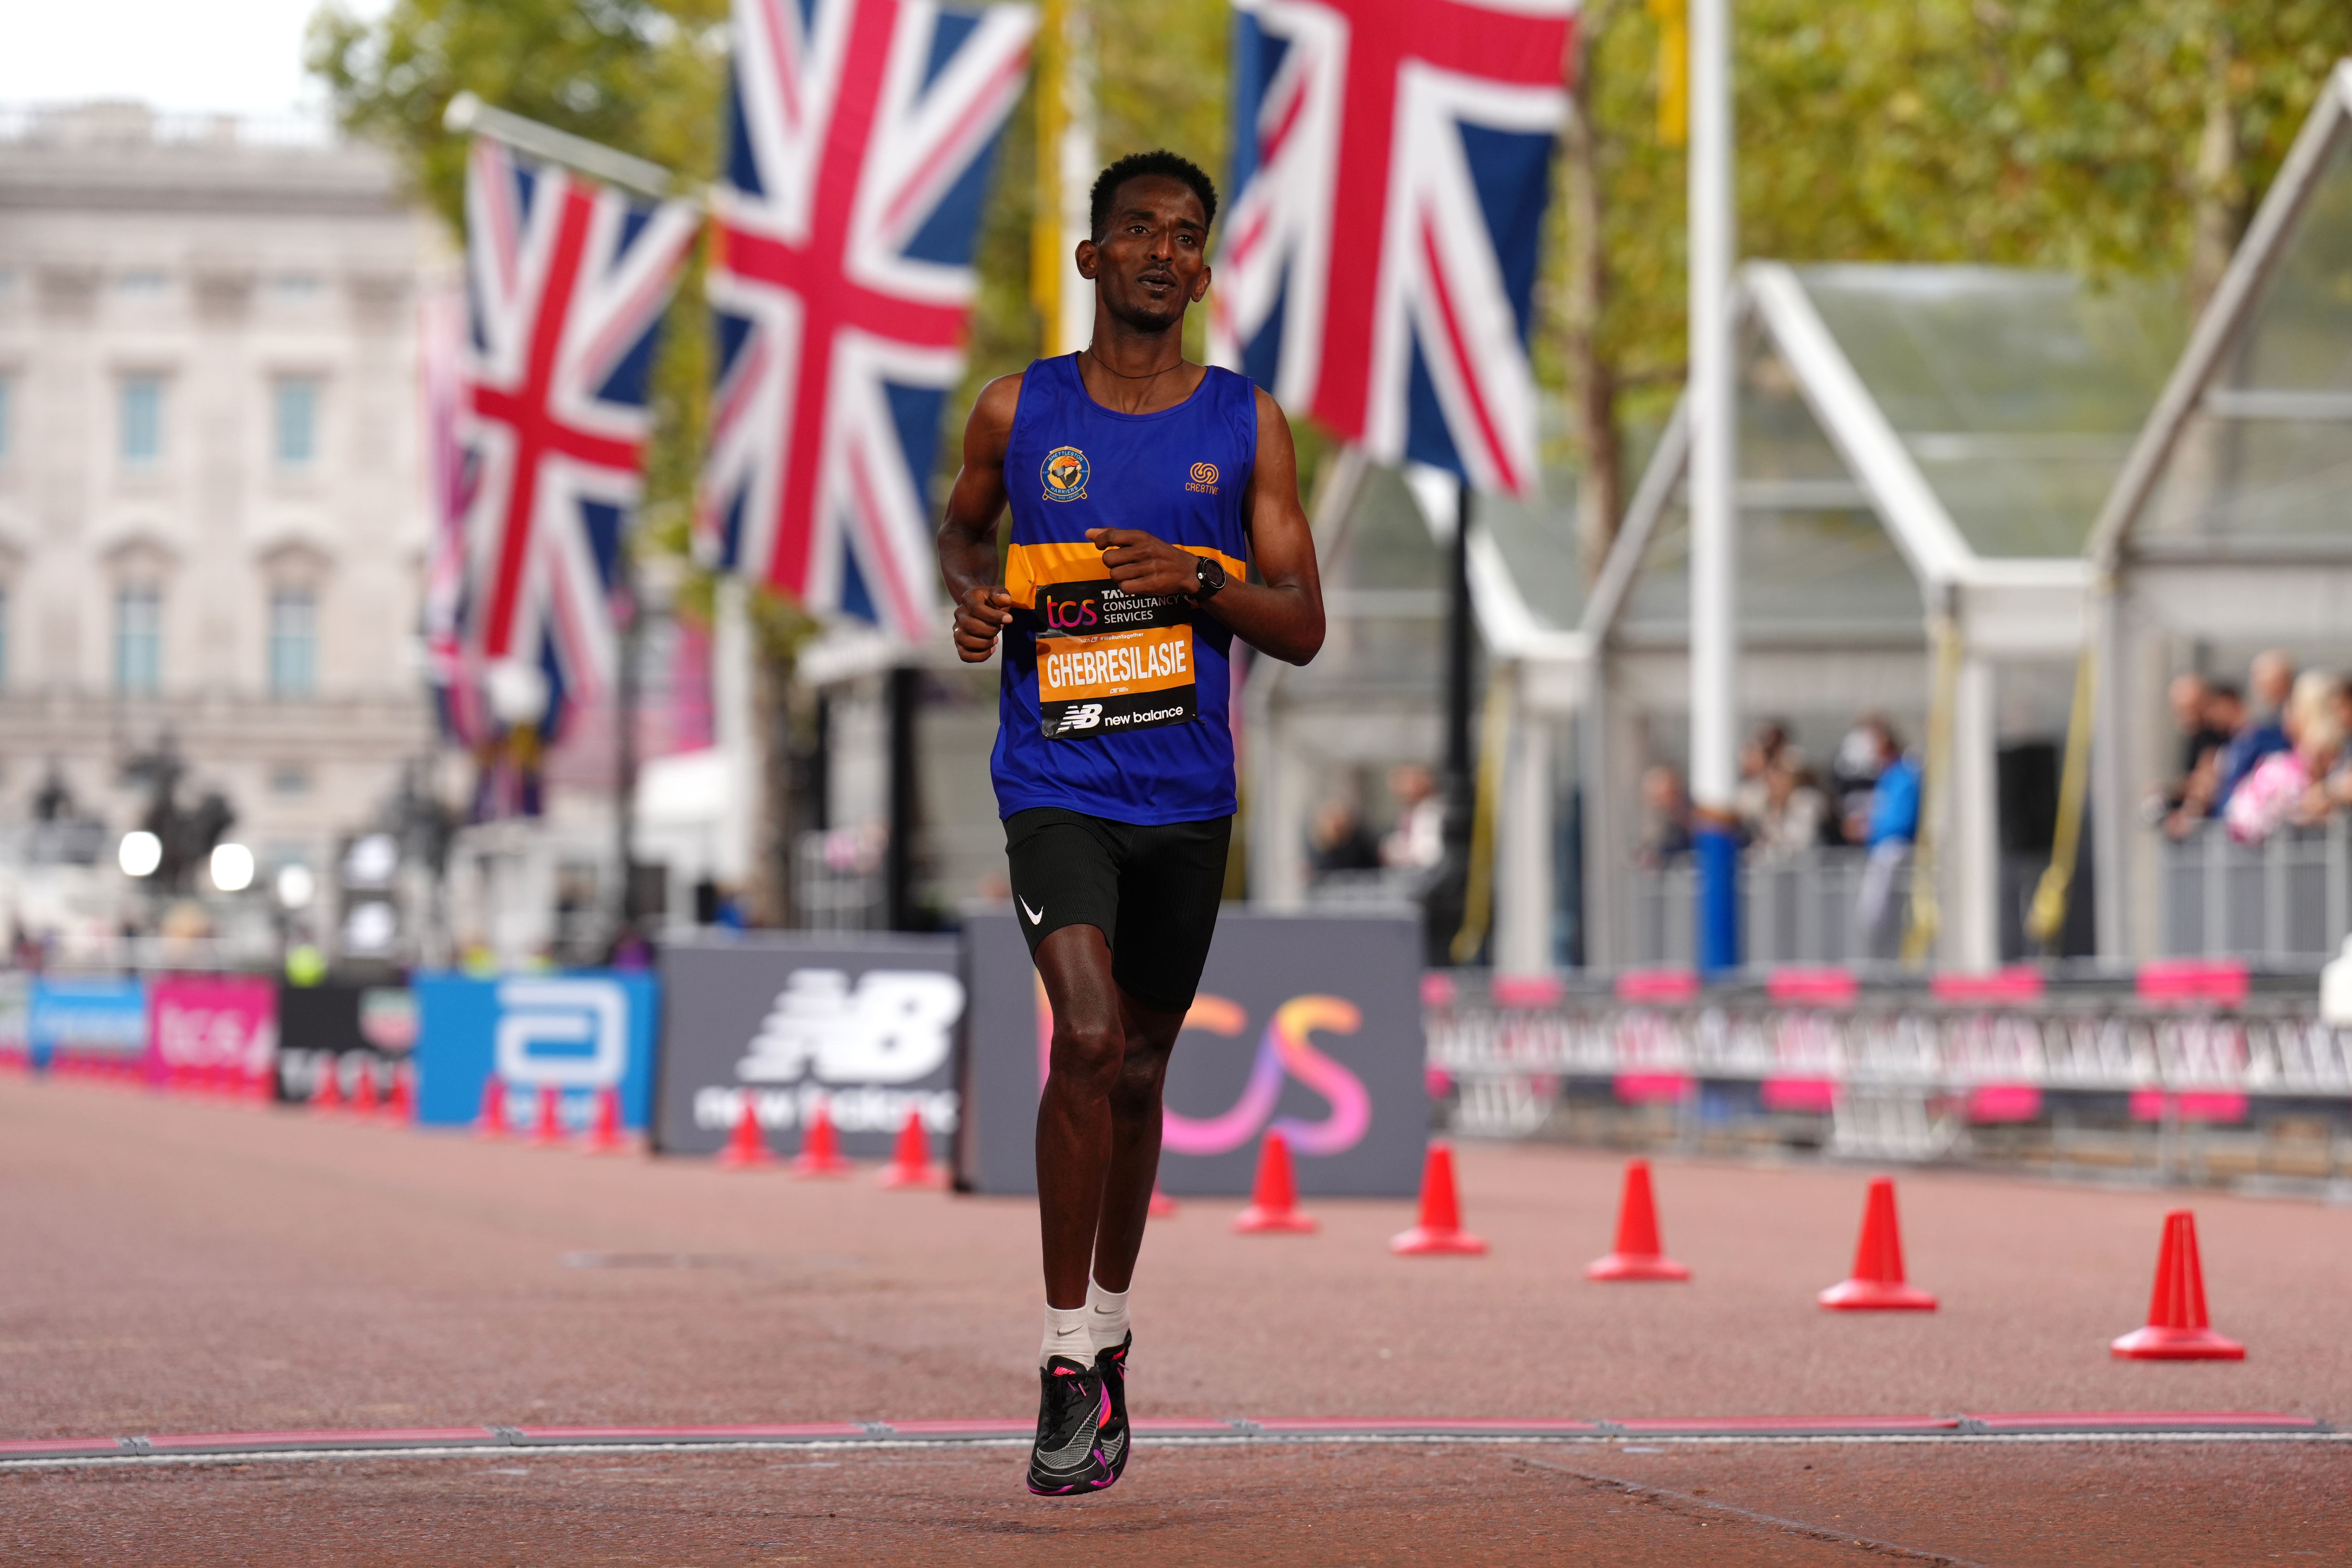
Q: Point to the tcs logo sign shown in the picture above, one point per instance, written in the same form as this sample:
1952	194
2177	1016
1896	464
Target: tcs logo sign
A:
562	1034
1284	1050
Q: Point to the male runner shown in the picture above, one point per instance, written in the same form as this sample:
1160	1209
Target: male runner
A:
1143	487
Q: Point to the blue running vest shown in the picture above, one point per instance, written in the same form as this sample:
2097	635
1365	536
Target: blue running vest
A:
1112	704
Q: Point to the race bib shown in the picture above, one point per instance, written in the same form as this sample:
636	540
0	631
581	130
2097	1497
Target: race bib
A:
1110	661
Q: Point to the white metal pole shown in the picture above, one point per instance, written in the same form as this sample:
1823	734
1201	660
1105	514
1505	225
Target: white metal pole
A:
1713	569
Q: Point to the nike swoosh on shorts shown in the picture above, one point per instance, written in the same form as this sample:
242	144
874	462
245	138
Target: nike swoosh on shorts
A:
1034	915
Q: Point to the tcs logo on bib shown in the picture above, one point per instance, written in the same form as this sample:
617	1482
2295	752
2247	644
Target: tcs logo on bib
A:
1065	472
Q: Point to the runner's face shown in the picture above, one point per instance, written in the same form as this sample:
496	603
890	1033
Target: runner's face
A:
1153	259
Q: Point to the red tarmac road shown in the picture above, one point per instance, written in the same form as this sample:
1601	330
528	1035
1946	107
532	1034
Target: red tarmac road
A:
183	1267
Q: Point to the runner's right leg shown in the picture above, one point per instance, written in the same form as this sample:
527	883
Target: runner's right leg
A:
1074	1114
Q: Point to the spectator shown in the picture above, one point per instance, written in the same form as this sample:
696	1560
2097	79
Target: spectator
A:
1889	827
1418	840
1795	813
2270	679
2207	713
1667	807
1764	750
2290	786
1338	841
1854	772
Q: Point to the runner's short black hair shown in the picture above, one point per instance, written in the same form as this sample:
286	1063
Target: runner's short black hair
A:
1135	166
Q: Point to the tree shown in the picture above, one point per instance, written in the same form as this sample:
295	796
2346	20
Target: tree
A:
2107	137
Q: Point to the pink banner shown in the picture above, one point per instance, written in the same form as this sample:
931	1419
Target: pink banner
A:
202	1026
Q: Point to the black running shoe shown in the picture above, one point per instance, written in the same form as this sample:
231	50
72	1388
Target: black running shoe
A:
1072	1411
1111	1365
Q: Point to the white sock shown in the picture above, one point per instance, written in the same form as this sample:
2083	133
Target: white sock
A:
1106	1316
1066	1334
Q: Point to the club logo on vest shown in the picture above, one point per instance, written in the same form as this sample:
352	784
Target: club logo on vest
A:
1204	479
1066	473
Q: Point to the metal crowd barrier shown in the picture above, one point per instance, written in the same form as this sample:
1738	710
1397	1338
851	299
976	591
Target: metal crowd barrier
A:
1895	1077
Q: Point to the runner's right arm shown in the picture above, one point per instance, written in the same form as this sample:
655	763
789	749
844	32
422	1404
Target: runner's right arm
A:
968	557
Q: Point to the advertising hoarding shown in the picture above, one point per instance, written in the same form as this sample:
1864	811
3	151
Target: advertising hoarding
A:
207	1024
578	1033
347	1029
865	1025
1309	1025
89	1019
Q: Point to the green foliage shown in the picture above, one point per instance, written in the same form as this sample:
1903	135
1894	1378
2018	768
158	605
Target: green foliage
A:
2061	133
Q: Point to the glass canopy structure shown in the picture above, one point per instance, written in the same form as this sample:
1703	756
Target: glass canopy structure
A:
2229	529
1922	453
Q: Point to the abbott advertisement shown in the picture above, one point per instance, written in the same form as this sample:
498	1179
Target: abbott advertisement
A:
1309	1025
865	1026
578	1034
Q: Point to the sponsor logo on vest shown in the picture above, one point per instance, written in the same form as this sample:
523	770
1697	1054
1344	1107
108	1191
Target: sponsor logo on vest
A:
1204	479
1065	472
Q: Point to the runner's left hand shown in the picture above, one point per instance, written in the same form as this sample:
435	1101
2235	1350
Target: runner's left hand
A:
1141	565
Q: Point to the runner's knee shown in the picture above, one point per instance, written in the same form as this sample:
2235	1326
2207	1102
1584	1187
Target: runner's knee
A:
1089	1054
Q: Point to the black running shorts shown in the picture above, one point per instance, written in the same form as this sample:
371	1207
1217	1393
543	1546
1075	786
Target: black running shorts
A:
1151	891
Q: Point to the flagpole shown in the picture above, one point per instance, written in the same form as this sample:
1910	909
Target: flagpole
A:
469	115
1714	532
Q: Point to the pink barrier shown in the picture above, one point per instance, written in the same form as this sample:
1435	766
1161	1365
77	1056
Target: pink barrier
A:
1638	1087
1816	1095
2022	984
2004	1102
1657	986
2224	980
2191	1105
1813	987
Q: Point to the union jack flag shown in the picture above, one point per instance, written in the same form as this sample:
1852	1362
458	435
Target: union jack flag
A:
1391	166
858	145
567	279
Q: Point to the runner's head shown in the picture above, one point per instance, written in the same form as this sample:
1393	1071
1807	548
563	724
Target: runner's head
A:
1148	252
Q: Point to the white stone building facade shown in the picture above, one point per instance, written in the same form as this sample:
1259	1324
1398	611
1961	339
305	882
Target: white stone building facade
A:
212	518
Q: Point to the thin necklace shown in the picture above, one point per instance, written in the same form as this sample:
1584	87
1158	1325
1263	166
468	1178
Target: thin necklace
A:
1154	375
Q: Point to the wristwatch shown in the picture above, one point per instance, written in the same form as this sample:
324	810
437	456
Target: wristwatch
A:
1211	576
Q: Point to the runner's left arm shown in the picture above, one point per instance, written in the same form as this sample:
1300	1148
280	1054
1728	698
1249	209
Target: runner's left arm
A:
1283	613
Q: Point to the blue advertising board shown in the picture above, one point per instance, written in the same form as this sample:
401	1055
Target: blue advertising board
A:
578	1033
87	1019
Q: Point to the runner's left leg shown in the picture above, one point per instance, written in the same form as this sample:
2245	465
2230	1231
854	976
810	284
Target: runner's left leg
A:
1135	1127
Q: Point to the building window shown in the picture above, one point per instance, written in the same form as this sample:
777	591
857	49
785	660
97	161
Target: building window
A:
290	778
296	422
145	284
142	421
139	641
293	642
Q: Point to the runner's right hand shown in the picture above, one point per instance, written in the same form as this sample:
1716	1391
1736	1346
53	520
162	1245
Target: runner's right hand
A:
982	613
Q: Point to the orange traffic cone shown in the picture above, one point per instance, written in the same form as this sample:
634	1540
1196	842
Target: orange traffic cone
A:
606	1137
747	1149
2177	1328
327	1095
1162	1205
910	1164
550	1132
363	1101
1638	1254
1877	1284
1440	1232
400	1103
820	1152
1274	1203
492	1120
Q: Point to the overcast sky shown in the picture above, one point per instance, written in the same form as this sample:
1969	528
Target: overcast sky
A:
241	56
